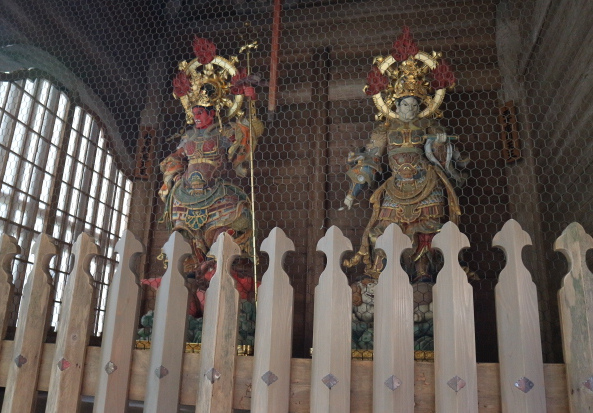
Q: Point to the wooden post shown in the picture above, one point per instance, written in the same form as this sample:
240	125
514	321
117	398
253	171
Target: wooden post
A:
332	330
273	336
119	331
23	372
274	59
456	382
393	372
219	334
73	331
168	331
522	384
317	218
8	250
576	317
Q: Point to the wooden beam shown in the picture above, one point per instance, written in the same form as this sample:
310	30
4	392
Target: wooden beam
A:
361	393
319	93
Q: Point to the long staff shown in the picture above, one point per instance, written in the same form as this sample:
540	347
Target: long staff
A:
247	48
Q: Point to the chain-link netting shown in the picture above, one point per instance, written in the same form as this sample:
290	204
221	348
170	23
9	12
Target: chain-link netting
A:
96	138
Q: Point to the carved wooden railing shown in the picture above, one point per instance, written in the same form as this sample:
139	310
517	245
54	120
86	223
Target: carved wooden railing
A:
216	380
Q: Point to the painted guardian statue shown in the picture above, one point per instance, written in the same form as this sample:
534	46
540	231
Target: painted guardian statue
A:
199	202
407	87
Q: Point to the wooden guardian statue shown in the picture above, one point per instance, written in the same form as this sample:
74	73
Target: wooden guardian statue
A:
415	152
199	203
407	87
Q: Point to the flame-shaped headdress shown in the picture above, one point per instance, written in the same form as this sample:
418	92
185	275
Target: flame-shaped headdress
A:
408	72
208	81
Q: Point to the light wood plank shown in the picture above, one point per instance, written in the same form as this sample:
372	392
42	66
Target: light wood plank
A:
9	248
273	336
332	334
456	385
576	317
21	388
219	334
73	331
168	337
119	329
300	377
517	320
393	375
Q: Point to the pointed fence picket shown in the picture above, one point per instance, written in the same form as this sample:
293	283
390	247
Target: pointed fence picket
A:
168	331
119	330
332	330
522	384
456	381
576	316
21	385
321	385
73	331
219	333
273	337
8	250
393	375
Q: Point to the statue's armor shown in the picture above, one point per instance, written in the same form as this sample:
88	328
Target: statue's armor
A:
413	196
201	203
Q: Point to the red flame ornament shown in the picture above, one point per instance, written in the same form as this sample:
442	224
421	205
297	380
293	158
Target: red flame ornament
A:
204	50
404	46
181	84
442	76
376	82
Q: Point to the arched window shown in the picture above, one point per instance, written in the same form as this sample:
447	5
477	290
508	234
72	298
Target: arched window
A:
59	175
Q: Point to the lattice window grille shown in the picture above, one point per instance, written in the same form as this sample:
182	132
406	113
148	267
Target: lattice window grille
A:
58	175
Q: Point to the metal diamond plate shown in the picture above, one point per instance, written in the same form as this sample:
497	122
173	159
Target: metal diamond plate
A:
456	383
110	367
589	383
63	364
161	371
20	360
524	384
330	381
212	375
269	377
393	383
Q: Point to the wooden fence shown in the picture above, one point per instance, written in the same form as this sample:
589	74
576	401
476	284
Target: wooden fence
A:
216	380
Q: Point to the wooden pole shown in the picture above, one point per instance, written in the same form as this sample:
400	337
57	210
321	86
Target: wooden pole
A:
274	59
319	163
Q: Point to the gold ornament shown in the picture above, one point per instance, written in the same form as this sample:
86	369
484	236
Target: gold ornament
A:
408	78
211	86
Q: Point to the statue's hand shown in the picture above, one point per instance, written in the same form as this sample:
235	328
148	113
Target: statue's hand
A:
348	201
250	92
441	138
354	157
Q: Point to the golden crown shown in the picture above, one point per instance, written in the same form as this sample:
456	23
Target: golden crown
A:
408	80
207	81
408	72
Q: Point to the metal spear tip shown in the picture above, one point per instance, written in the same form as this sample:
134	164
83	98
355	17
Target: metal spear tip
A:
248	47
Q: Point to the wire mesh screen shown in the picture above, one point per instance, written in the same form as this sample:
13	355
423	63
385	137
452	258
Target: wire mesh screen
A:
124	143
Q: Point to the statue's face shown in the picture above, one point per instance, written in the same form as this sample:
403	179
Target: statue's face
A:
202	117
408	109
